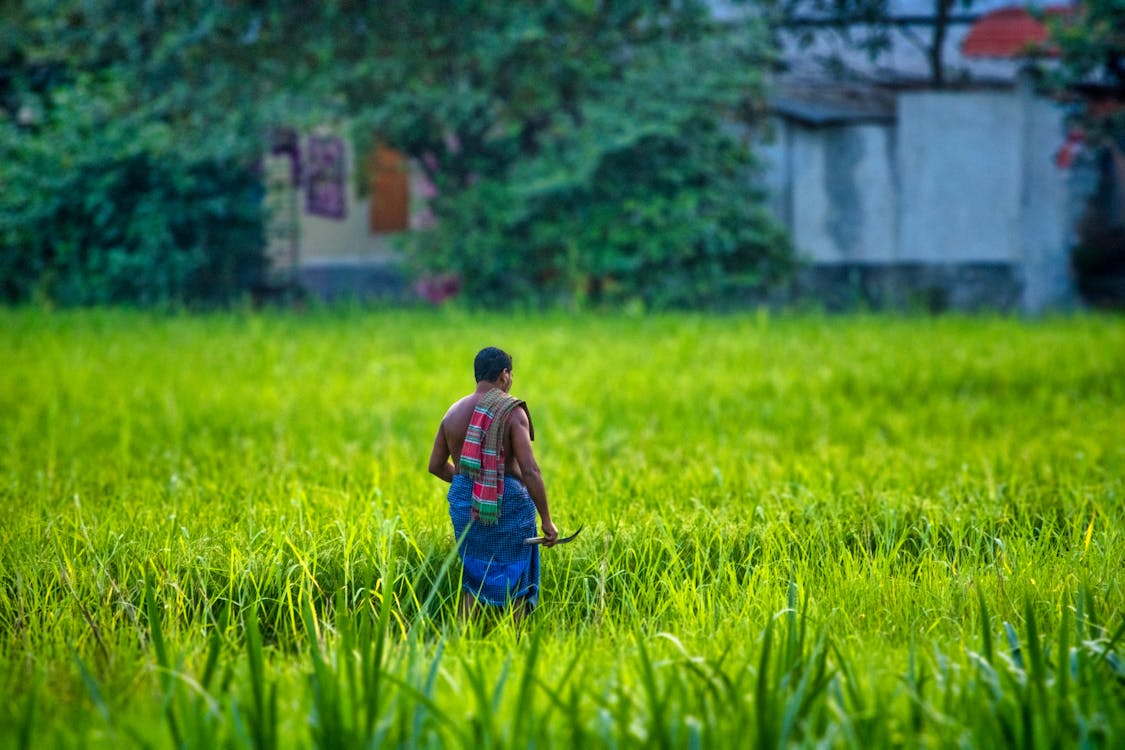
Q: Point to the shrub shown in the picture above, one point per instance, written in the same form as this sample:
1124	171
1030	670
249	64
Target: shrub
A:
101	207
1099	264
664	217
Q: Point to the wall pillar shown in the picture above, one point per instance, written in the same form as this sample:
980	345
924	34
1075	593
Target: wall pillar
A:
1044	231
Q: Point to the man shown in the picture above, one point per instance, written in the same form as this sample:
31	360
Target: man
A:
483	449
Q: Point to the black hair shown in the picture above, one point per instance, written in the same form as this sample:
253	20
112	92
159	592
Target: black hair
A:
490	362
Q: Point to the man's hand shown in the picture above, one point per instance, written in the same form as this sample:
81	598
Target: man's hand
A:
550	533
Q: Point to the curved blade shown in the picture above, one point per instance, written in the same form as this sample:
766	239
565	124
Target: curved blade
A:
562	540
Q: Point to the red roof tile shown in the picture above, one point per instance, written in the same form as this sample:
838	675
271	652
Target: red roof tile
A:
1009	32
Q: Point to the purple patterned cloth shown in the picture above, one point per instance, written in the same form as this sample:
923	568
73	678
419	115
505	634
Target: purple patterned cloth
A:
325	183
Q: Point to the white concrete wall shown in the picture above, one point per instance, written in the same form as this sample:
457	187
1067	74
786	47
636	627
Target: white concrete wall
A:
961	178
960	171
773	151
839	199
1044	228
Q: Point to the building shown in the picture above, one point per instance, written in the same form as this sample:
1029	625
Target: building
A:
902	195
895	194
335	214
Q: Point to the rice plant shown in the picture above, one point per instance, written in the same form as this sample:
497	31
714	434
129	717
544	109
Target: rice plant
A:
218	531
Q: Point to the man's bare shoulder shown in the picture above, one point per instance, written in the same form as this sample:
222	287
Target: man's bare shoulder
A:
519	416
461	409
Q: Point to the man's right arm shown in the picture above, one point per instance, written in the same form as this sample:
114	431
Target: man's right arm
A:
440	465
520	427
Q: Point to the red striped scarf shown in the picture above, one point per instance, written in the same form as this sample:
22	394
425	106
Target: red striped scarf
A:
482	454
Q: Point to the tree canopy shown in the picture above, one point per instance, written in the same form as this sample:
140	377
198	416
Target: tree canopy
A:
127	160
1091	47
871	26
579	147
1091	75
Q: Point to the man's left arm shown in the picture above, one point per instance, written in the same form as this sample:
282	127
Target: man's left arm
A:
440	465
520	425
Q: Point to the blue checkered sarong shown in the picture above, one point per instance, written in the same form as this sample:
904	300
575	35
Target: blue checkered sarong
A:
497	567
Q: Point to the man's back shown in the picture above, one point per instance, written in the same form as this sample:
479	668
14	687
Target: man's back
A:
492	368
456	423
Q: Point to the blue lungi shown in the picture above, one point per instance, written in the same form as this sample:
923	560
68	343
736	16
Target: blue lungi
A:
498	567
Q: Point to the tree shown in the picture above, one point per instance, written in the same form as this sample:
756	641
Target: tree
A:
579	148
1091	75
1091	50
129	169
870	26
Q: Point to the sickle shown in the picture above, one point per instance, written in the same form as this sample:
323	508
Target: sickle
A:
543	539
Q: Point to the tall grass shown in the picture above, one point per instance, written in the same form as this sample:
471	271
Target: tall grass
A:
218	531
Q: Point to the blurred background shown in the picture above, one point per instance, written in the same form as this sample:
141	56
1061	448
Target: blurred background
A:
843	154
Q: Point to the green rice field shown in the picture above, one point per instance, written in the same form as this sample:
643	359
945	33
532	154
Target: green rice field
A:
217	531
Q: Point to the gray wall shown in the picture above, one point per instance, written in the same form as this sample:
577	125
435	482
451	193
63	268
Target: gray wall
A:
961	178
1045	219
959	159
842	199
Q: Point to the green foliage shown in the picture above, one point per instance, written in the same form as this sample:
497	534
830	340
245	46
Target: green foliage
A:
580	151
627	213
864	24
871	26
1091	46
128	178
1091	76
103	207
866	532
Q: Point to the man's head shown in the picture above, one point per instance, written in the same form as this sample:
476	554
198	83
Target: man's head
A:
491	363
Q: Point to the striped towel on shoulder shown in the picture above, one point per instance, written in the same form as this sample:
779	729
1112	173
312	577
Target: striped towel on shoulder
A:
482	454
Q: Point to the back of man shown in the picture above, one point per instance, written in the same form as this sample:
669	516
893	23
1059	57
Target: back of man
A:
498	568
456	424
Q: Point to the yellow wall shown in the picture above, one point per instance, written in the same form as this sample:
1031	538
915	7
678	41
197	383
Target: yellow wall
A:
323	240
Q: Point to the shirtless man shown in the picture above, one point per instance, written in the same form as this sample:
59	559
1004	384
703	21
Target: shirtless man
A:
498	567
